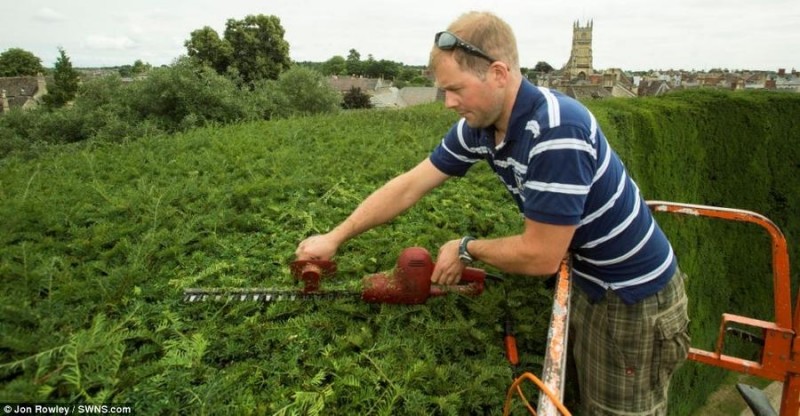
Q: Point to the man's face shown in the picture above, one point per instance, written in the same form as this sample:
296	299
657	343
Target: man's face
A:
478	100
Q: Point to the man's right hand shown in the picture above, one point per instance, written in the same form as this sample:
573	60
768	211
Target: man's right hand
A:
317	247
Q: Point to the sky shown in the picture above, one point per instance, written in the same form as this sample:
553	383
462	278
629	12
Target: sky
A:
628	34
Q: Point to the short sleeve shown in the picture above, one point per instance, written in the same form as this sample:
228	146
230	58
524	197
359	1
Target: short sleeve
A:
458	151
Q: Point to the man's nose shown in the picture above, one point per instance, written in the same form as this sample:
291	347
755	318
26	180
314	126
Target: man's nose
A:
450	100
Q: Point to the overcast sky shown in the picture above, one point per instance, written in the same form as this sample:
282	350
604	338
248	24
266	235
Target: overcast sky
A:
632	35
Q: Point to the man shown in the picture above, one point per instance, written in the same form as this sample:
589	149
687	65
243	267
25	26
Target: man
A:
629	318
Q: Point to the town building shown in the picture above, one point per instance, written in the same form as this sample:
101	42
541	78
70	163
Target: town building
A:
21	92
579	65
579	79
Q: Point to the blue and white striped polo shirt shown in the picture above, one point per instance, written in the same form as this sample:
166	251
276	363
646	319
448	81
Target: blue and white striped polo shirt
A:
558	166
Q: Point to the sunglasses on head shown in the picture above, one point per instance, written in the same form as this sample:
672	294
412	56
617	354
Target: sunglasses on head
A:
447	41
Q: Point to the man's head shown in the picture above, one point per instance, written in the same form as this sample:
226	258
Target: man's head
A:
485	31
475	61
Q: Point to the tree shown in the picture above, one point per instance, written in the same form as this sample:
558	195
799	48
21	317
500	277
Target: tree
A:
335	66
407	74
353	64
259	50
206	46
16	62
251	49
185	96
306	92
381	69
543	66
125	71
65	86
140	67
389	69
411	76
355	98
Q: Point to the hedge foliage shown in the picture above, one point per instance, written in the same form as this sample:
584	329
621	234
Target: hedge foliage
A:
98	242
735	150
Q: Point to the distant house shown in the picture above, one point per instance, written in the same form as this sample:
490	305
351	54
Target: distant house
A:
612	82
690	81
406	97
618	83
21	92
382	93
755	81
366	85
784	82
653	87
710	80
586	91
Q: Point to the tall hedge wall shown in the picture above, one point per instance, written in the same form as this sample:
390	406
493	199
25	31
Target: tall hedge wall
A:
735	150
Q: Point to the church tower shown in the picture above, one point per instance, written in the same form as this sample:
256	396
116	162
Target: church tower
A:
579	65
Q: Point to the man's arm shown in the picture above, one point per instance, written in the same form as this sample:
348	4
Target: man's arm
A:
383	205
538	251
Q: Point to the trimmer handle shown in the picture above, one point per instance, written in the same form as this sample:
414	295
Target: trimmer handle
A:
471	284
310	271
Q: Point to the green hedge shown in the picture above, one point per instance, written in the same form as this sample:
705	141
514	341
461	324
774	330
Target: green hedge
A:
735	150
99	240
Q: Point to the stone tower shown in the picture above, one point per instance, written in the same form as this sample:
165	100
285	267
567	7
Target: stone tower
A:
579	66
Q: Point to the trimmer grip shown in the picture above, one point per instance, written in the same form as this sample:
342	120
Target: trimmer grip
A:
475	278
471	284
310	272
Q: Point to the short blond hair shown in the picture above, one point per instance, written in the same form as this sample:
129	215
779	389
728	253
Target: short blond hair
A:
486	31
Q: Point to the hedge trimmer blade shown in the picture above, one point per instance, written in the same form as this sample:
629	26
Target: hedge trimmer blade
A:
308	271
409	283
193	295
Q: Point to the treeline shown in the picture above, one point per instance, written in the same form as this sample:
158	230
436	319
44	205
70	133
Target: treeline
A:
169	99
402	75
242	75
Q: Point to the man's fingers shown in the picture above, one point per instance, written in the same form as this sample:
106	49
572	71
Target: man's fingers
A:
316	247
436	275
446	277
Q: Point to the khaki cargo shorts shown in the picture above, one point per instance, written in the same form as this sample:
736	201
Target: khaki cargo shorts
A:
625	355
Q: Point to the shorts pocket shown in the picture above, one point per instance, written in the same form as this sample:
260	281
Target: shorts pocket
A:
672	342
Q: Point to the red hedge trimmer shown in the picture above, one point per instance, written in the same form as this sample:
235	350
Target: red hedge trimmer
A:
408	284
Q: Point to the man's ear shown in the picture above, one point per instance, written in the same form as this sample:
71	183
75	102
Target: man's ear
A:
499	73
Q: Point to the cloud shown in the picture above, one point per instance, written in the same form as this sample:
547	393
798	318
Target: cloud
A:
48	15
110	43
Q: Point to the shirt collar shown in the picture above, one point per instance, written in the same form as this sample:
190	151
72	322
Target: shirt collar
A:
520	114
